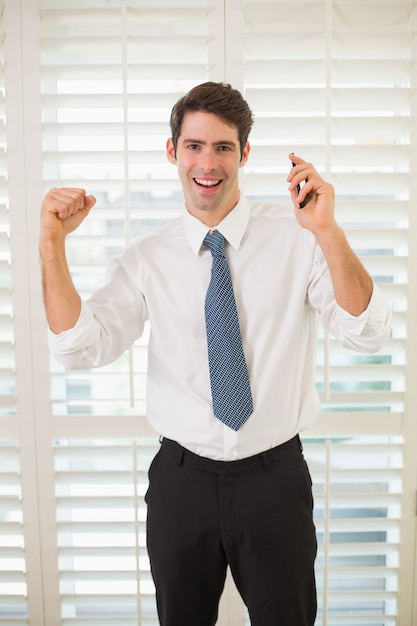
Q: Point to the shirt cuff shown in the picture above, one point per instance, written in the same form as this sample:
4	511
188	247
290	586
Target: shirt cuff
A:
375	317
76	337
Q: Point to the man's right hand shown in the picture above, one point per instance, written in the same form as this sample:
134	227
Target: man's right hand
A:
63	210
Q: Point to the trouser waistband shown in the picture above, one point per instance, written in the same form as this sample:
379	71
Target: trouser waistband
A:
263	459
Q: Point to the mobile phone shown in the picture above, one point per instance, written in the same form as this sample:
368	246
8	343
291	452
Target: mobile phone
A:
302	204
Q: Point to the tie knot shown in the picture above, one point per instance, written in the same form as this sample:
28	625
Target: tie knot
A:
216	242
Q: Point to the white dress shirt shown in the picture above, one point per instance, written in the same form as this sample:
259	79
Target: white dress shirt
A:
282	287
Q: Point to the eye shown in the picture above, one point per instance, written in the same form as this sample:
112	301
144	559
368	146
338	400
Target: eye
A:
224	148
193	146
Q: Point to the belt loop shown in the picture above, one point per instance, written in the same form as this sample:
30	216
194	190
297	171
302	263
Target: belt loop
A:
265	461
300	443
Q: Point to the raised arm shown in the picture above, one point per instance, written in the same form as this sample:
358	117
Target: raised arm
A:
62	212
351	282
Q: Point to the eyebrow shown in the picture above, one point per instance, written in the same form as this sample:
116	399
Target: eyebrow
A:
215	143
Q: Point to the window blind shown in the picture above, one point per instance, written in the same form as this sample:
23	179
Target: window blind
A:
357	491
341	100
109	79
331	82
7	378
13	589
105	572
105	125
328	79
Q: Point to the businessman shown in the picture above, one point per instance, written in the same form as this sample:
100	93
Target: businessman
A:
233	290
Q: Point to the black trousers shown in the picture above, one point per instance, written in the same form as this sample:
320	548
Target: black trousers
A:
254	515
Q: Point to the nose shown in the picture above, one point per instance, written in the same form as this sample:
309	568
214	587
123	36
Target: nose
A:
208	160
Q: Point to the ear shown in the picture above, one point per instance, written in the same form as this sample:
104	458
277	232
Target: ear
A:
245	154
171	152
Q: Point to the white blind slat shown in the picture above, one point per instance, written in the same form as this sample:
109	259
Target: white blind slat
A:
13	589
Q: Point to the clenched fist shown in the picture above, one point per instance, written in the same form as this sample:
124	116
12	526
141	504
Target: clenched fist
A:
63	210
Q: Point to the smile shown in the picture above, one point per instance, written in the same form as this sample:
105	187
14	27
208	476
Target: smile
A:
207	183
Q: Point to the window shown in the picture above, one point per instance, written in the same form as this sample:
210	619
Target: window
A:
85	100
341	98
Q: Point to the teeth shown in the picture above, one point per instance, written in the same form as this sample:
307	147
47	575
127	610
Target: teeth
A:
207	183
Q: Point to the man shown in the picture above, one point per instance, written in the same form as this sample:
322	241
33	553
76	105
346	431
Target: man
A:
221	495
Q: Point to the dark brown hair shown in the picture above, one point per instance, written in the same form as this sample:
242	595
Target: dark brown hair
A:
218	98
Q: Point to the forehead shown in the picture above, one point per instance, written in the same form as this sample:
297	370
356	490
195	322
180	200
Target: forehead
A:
204	125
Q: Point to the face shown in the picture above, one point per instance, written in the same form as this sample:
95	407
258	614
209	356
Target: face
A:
208	159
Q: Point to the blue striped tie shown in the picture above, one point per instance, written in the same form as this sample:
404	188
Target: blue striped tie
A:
230	388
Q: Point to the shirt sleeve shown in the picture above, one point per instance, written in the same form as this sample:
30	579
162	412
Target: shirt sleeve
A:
84	333
364	333
109	322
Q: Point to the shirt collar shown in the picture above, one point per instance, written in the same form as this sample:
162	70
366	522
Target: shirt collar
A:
232	227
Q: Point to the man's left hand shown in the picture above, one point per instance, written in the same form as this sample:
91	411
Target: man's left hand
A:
317	195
